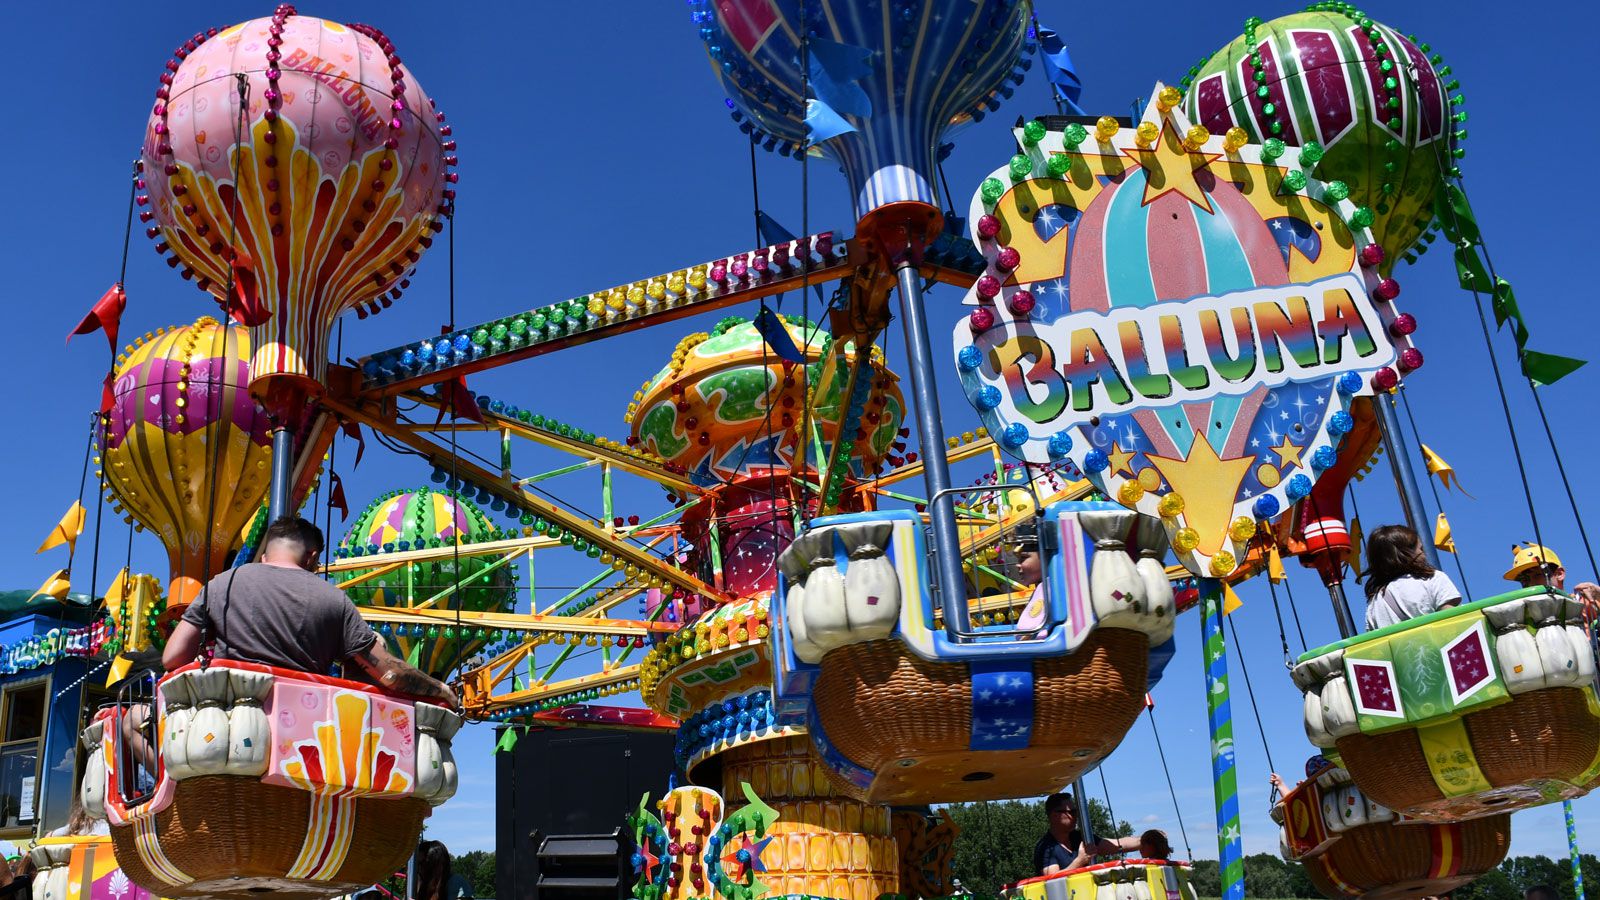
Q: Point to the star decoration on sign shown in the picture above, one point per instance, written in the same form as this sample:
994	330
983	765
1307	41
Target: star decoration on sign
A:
1288	453
1169	167
1121	460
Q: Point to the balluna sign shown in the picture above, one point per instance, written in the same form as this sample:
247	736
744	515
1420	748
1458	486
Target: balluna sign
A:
1183	316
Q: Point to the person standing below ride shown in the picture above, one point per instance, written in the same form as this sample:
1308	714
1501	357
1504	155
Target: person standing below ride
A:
278	612
1401	584
1062	847
435	879
1536	566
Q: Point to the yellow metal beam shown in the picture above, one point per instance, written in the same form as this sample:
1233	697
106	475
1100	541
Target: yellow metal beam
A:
625	553
540	691
530	622
914	470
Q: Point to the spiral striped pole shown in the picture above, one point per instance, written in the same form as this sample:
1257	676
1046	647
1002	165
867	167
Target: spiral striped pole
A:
1572	848
1224	781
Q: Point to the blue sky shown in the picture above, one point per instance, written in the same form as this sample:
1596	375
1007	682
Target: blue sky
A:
595	150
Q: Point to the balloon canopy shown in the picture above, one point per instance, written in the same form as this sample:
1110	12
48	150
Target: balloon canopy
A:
1368	97
419	519
185	448
316	197
886	82
727	406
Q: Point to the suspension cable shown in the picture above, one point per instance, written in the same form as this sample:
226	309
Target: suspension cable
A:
1251	693
1150	711
1433	488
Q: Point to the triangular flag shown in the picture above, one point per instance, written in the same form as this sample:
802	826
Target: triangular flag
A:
823	123
105	315
835	70
777	337
1230	600
107	398
117	594
1275	571
1548	368
1059	70
508	739
1437	466
414	655
352	430
57	586
1442	539
119	669
1354	557
66	530
336	499
458	401
244	305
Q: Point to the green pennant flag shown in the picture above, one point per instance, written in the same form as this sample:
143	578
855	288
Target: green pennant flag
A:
414	655
1470	270
508	739
1455	214
1506	310
1545	369
517	685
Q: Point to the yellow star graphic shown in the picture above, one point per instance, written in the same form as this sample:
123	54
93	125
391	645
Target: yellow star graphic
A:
1121	460
1288	454
1208	486
1169	167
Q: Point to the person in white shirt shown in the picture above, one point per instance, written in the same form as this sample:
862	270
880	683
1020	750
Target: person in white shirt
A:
1401	584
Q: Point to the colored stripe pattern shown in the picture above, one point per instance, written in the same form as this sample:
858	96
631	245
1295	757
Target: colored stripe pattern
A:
1572	848
1445	843
148	844
330	824
1224	780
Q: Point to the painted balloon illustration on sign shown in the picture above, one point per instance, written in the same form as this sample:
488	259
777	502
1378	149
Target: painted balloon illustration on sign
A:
1183	317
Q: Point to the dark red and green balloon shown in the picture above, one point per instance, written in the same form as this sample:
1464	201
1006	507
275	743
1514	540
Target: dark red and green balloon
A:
420	519
1369	96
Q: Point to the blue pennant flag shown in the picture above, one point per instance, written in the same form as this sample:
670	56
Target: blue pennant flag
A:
1059	70
823	123
777	336
835	69
774	233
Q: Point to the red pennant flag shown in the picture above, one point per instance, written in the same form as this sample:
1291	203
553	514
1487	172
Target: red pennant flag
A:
459	401
105	315
244	306
336	498
107	400
353	430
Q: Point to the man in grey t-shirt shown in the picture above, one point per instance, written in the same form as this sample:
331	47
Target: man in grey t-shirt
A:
278	613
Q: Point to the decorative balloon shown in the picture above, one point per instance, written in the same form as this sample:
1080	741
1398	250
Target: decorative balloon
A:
317	197
415	520
936	71
185	447
1366	97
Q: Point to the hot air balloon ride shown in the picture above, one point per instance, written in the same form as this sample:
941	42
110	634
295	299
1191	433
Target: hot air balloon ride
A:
419	519
296	170
1365	96
1352	847
185	448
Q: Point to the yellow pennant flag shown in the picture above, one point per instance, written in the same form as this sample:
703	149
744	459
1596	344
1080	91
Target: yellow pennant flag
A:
1442	538
66	530
1438	467
56	585
1354	559
1275	565
1230	600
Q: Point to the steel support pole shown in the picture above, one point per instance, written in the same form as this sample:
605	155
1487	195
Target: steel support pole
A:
282	469
1085	824
1341	610
1394	443
935	467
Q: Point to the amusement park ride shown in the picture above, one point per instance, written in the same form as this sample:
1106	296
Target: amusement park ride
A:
1182	326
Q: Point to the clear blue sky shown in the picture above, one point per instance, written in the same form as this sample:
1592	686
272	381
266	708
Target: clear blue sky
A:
596	150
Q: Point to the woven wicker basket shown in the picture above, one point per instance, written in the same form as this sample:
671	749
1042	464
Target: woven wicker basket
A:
237	837
1391	862
910	720
1546	734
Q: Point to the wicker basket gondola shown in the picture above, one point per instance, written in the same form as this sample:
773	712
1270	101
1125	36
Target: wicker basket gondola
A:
238	838
1389	861
910	720
1541	734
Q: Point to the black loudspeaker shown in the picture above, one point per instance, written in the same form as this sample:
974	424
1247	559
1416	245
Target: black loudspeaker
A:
572	783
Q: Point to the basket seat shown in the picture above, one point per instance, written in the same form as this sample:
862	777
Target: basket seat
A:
1130	879
1353	847
903	710
1468	712
270	781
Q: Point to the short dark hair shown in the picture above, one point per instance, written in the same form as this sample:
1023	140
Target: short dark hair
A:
1054	802
1541	892
1160	846
295	530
